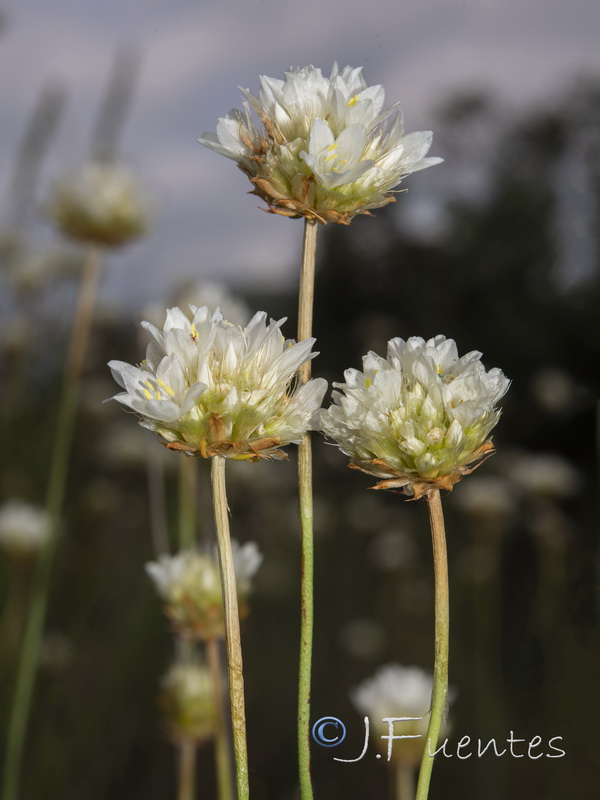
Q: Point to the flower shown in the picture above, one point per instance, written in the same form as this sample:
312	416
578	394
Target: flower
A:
188	700
397	691
191	586
419	418
212	388
545	475
215	295
325	149
100	203
24	528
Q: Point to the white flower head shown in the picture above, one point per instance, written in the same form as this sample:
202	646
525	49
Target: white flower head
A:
419	419
101	203
214	295
190	585
188	700
397	691
24	528
324	148
212	388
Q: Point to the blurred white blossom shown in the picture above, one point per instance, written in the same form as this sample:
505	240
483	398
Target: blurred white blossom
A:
188	701
102	203
24	528
418	420
397	691
324	148
487	497
212	388
545	474
190	585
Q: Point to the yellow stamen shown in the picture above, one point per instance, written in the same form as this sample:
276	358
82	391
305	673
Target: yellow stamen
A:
353	101
166	388
194	332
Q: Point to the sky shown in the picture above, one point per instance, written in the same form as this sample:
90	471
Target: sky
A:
195	55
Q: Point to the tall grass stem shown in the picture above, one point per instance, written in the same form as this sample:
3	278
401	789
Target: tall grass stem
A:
22	698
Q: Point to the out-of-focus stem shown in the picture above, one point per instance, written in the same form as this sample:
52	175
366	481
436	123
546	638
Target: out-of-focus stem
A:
222	749
232	626
305	316
442	629
54	502
404	782
187	503
187	770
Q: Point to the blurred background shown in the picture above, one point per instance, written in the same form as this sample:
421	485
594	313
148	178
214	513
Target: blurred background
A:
497	248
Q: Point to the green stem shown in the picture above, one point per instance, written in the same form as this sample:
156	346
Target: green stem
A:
305	314
232	626
187	770
21	706
187	503
222	747
442	628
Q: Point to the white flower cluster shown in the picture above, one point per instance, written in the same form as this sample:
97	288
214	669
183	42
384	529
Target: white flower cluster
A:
190	584
188	700
326	147
24	528
100	203
212	388
395	690
419	418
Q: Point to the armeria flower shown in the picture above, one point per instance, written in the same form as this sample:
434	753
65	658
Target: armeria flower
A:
212	388
190	585
419	419
188	701
24	528
397	691
100	203
325	148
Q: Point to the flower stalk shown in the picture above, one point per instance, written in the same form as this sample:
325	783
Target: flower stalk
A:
222	747
21	705
305	316
232	626
442	626
187	770
404	782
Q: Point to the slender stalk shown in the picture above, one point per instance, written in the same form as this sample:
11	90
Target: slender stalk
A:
186	650
157	501
54	502
404	782
187	503
187	770
222	749
442	627
232	627
305	315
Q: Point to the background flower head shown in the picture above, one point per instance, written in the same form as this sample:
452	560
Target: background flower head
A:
324	148
102	203
188	700
419	418
190	585
212	388
24	528
397	691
